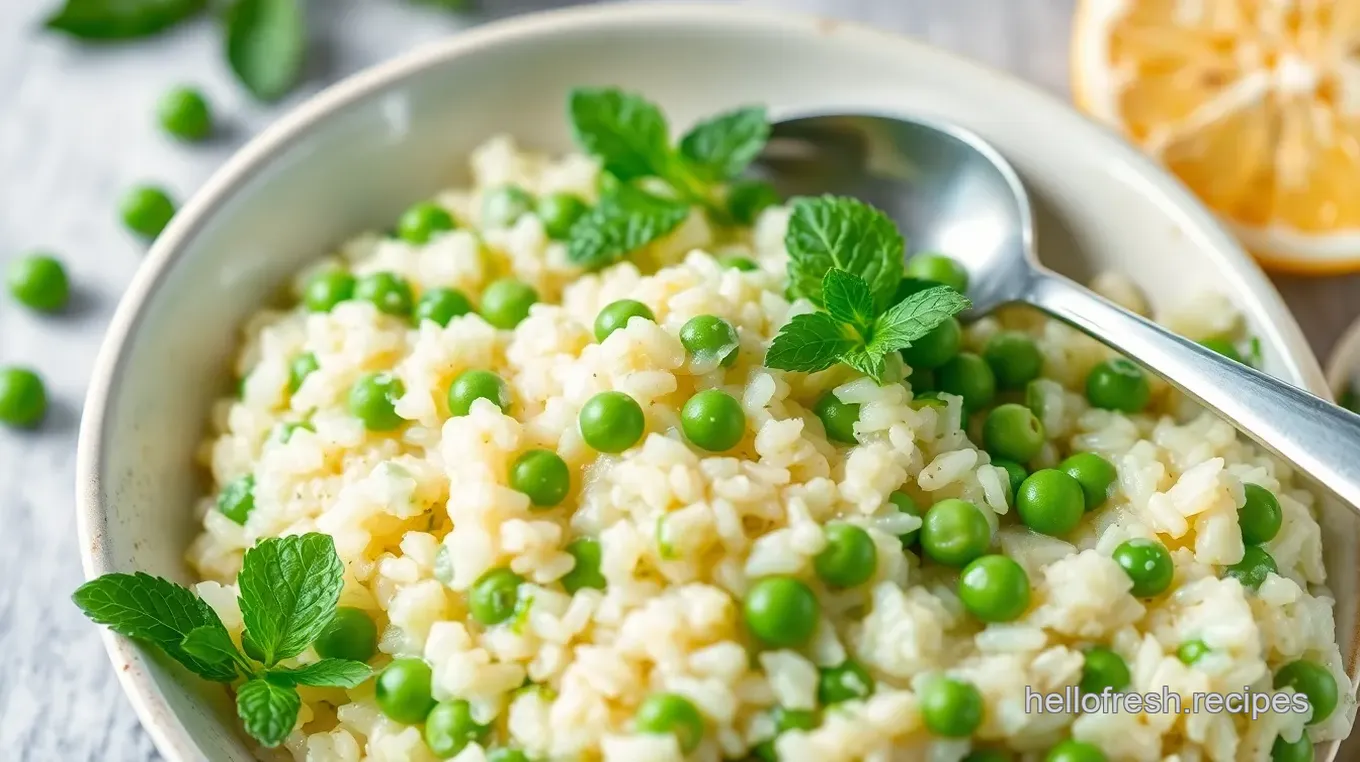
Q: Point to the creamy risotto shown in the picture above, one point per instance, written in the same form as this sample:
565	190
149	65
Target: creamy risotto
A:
576	524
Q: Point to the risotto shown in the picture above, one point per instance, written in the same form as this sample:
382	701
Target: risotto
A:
582	518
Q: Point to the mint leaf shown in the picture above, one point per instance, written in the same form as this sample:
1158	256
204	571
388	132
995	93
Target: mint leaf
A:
269	711
327	673
721	148
828	232
212	645
266	43
622	222
154	610
867	362
847	299
107	20
809	343
626	132
289	589
914	317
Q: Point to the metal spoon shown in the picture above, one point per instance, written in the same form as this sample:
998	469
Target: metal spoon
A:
950	191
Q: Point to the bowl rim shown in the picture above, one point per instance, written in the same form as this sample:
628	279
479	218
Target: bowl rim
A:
1297	363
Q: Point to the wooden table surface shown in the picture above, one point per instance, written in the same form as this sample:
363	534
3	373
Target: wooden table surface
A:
76	127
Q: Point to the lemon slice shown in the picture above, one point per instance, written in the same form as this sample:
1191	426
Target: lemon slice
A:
1253	104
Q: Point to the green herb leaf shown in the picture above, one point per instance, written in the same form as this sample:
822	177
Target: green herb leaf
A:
212	645
867	362
838	232
627	133
622	222
289	589
809	343
106	20
155	610
266	42
721	148
327	673
847	298
268	710
914	317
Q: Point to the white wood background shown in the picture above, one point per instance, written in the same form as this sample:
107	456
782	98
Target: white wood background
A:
76	127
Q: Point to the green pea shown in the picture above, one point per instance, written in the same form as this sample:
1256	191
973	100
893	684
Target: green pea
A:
1192	651
422	221
954	532
1260	515
559	212
1148	563
1118	384
838	418
849	558
472	385
903	502
286	430
507	755
351	634
1015	476
1298	751
951	707
611	422
506	302
713	420
1255	566
493	596
238	499
781	612
1223	347
784	721
1015	359
586	572
373	400
299	369
1013	432
1103	669
23	398
441	305
403	691
970	377
938	268
389	292
738	262
708	336
920	380
746	199
146	210
327	289
994	588
1095	475
848	681
1075	751
449	728
936	348
184	113
616	315
502	207
673	714
1314	681
1051	502
543	476
987	755
39	282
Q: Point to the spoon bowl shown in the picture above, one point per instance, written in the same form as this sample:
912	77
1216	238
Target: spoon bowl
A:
953	193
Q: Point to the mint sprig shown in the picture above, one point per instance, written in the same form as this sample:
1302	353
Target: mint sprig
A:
631	138
846	257
289	589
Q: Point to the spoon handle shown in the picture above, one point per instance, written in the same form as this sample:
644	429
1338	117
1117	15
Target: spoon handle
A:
1319	438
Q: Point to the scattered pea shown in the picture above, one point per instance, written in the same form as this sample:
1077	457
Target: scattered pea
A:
987	755
1015	476
146	210
373	400
506	302
1312	680
403	691
784	721
781	612
951	707
586	572
1051	502
849	558
1095	475
421	222
713	420
351	634
707	337
903	502
441	305
938	268
1148	564
838	418
936	348
238	499
616	315
746	199
954	532
543	476
559	212
1013	432
299	369
494	595
389	292
847	681
968	376
738	262
1191	651
1075	751
23	398
286	430
994	588
1260	516
327	289
39	282
1255	566
611	422
184	113
1014	358
449	728
1298	751
472	385
1223	347
507	755
1103	669
670	713
502	207
1118	384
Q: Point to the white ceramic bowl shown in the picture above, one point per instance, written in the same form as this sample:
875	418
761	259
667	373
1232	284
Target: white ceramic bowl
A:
357	154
